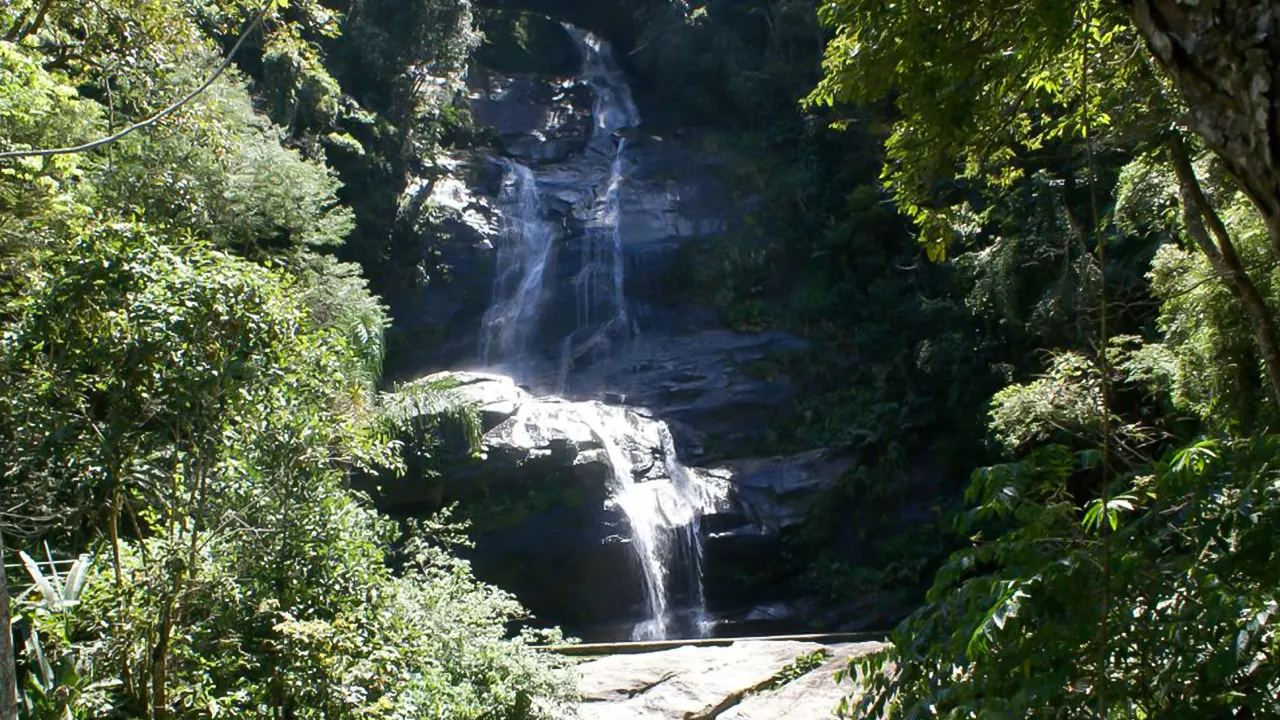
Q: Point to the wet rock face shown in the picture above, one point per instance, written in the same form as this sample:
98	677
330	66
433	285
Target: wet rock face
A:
676	360
775	492
548	526
537	120
697	375
679	362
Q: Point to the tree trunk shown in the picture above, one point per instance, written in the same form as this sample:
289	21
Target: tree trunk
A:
1198	213
1224	58
8	673
160	663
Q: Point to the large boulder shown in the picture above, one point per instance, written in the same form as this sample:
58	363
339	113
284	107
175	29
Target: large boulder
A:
814	695
768	497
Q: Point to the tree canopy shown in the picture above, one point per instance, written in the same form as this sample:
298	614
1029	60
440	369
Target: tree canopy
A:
1107	571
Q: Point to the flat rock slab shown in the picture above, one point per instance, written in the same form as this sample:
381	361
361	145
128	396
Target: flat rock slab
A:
702	683
812	696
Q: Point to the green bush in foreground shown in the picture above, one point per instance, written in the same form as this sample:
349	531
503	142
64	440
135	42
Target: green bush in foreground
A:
180	400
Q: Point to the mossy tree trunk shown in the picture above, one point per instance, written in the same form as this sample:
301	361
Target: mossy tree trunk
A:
1224	58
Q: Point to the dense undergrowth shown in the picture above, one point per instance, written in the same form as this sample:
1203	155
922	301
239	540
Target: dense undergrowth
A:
190	370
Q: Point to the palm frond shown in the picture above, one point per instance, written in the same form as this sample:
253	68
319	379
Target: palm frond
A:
76	578
428	407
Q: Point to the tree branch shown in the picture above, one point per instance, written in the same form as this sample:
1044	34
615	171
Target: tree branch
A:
23	29
226	63
1197	212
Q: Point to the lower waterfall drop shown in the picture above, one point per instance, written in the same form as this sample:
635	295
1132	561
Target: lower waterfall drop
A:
663	518
687	543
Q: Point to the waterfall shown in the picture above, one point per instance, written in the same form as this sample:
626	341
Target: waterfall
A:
513	316
602	308
686	546
663	518
662	514
525	245
600	283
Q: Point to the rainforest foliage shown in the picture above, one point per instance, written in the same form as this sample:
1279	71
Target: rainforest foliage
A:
1032	244
1120	559
190	363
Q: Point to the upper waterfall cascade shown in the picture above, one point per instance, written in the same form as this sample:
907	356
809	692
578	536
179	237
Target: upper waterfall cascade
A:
662	515
601	304
522	260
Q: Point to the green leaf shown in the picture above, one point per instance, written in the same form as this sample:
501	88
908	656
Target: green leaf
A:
51	596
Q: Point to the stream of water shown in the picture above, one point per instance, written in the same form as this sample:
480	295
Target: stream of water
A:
602	317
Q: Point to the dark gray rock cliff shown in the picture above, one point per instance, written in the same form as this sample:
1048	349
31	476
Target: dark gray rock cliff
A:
547	525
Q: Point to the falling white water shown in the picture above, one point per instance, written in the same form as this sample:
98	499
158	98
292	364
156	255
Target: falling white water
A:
687	543
601	304
512	317
663	516
614	109
663	512
600	282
